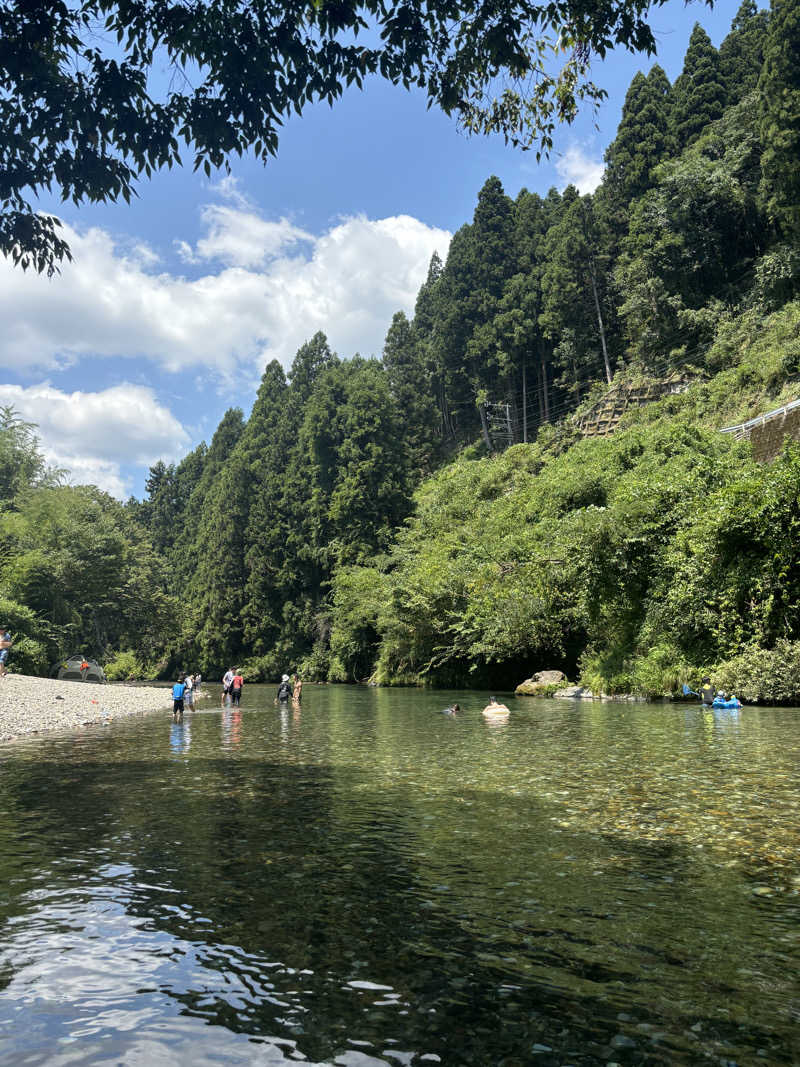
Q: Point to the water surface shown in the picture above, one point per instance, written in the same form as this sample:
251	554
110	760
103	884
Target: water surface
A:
367	881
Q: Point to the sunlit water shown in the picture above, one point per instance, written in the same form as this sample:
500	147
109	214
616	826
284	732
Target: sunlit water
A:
370	882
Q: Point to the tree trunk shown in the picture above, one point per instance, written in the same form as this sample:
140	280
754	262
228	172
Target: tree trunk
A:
524	407
593	273
446	427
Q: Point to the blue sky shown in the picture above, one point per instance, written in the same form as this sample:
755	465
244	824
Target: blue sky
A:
175	303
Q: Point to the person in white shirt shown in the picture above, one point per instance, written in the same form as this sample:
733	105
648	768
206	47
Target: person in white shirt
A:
227	681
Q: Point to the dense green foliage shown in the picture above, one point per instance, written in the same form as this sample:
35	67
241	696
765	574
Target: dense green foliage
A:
636	560
354	525
78	572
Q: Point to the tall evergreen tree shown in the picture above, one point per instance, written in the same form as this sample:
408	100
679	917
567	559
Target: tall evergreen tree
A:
311	360
741	54
699	92
482	258
189	484
216	594
425	305
515	337
411	385
269	438
575	283
779	96
692	240
371	469
424	324
643	139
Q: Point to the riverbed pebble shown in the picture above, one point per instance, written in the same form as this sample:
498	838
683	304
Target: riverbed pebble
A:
34	705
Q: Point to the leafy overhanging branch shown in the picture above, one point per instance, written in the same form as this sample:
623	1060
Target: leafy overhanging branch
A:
82	113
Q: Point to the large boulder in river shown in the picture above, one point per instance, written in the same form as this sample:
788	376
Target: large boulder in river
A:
540	684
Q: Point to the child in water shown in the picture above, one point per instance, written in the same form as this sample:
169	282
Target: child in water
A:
177	697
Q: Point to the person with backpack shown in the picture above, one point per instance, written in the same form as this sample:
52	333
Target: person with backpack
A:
284	691
237	684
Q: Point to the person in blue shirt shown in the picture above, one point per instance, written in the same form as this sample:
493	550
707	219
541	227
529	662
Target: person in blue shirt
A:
177	698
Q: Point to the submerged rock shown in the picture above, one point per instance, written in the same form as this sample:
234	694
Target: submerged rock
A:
575	692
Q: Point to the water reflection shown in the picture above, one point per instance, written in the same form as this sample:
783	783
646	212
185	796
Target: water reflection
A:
180	737
374	882
231	727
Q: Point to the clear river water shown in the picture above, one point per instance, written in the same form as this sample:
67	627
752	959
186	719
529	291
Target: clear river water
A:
368	882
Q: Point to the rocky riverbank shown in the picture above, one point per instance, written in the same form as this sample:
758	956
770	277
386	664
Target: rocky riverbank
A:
34	705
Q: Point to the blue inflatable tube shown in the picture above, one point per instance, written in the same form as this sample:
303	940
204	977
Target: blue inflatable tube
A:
728	704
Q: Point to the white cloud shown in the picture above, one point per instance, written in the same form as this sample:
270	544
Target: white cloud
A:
578	169
93	434
278	285
241	238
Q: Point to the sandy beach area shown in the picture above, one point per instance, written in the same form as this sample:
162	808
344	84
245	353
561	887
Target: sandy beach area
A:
34	705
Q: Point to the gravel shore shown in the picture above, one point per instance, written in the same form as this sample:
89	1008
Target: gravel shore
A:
33	705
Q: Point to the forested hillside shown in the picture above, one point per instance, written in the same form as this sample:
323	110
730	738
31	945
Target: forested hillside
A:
353	522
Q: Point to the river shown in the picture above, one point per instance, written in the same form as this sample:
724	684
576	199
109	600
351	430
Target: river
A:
370	883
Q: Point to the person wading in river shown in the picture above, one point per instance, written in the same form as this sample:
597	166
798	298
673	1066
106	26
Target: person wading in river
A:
177	697
284	690
237	684
188	696
227	678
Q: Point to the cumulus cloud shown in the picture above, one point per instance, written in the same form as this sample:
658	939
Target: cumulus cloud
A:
92	435
578	169
276	285
241	238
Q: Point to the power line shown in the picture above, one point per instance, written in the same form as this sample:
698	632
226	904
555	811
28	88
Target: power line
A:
508	419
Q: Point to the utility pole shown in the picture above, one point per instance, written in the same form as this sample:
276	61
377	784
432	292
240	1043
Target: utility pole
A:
484	427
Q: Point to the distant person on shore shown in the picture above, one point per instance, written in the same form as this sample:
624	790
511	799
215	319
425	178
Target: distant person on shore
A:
237	685
198	678
227	678
84	668
707	692
188	695
5	646
284	690
178	691
297	688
